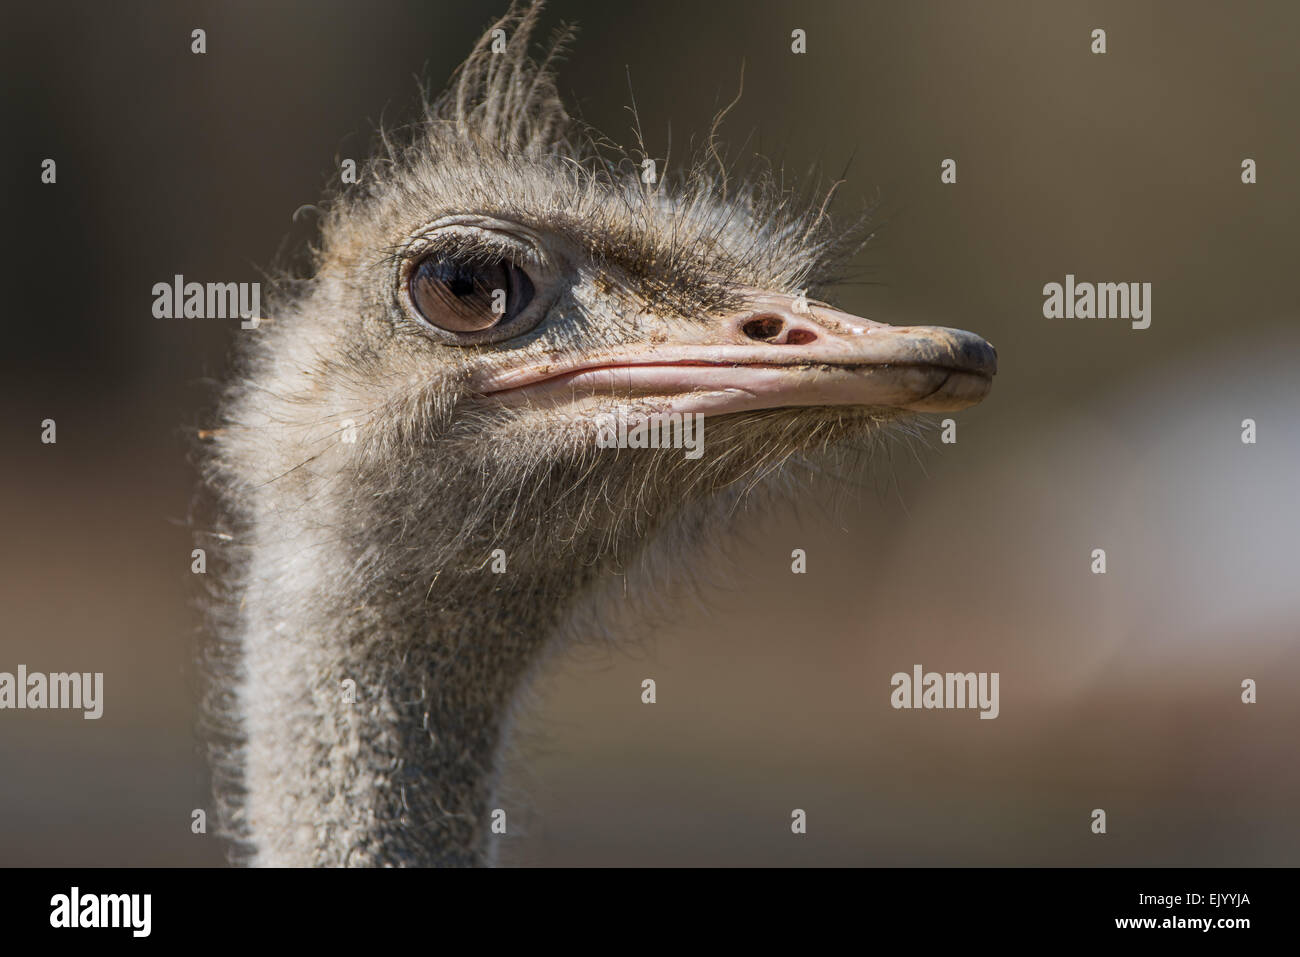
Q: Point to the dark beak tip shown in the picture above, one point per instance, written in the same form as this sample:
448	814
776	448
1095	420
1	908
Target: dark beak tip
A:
975	352
992	359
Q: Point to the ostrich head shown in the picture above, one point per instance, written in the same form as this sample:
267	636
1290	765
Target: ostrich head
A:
417	501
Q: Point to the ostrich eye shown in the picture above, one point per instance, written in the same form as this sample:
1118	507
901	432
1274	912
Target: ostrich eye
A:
461	295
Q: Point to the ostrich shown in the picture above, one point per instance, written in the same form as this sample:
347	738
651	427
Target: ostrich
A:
416	509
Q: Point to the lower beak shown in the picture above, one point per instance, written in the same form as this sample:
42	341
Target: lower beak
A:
777	353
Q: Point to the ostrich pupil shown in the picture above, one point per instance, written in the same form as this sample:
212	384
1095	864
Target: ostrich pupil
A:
461	282
460	296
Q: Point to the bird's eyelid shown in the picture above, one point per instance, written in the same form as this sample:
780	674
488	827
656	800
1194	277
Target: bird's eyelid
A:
474	232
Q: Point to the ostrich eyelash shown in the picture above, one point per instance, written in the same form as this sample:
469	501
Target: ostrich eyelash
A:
475	245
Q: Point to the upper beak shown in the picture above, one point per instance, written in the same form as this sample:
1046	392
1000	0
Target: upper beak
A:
775	353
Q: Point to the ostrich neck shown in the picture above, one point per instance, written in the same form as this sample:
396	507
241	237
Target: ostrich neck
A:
381	648
375	722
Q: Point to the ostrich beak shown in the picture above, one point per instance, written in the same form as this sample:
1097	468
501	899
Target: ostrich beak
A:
776	353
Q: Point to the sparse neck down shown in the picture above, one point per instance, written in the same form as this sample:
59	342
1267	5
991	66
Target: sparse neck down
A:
399	768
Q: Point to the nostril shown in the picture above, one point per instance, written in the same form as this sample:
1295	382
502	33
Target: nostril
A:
763	328
773	329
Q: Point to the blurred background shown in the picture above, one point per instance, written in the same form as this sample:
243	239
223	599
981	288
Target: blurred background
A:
1118	691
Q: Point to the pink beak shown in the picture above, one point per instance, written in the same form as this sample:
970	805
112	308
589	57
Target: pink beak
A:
776	353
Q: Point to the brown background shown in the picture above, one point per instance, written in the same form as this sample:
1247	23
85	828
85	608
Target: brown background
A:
1118	691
